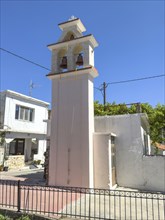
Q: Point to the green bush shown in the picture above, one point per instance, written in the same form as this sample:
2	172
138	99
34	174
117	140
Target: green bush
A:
37	162
4	217
1	169
25	217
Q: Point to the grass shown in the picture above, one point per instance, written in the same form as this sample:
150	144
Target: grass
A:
23	217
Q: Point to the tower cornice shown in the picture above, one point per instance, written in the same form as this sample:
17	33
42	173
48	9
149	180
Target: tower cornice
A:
82	39
86	70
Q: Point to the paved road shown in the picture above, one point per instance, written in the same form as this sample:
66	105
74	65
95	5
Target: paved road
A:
30	176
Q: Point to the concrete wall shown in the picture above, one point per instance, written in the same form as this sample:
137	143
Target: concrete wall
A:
133	168
102	165
154	172
72	128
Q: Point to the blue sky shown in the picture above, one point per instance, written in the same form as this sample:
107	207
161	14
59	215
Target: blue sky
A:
131	45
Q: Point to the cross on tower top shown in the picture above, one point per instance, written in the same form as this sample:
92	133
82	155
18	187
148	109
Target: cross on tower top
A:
72	18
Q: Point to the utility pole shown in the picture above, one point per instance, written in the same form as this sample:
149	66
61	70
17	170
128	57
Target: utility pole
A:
102	89
104	94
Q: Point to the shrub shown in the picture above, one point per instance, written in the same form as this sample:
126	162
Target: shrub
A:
37	162
1	167
4	217
25	217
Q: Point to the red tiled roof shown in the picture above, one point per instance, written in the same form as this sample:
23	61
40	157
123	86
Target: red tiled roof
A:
160	146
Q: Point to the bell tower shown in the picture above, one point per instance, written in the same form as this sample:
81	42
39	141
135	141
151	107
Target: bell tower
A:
72	117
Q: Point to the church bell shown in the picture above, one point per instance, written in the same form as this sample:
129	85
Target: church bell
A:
64	63
79	61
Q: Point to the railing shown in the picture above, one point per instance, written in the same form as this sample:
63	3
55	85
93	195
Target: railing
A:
82	203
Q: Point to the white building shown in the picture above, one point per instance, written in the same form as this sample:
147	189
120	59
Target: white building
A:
133	165
23	120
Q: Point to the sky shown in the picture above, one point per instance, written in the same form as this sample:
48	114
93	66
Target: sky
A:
131	46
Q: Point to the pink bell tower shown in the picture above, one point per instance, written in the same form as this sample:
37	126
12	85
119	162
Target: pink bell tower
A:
72	118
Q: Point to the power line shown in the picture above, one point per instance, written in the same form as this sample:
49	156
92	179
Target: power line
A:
110	83
104	86
137	79
7	51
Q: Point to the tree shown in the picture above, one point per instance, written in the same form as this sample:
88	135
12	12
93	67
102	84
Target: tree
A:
157	124
2	137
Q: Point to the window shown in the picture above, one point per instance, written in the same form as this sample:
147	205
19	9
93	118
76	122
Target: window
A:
17	147
24	113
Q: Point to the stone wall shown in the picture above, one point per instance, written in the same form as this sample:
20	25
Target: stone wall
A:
15	162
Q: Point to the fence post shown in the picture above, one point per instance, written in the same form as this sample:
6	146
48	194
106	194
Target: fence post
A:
19	197
89	205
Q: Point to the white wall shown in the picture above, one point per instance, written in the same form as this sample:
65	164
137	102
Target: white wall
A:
48	127
2	108
37	126
27	149
133	169
128	145
41	151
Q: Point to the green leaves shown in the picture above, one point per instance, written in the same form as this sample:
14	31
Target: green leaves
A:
2	137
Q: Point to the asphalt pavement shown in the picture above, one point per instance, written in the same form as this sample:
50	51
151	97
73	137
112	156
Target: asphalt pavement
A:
27	175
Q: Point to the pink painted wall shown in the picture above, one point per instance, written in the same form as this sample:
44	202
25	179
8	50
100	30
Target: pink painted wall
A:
72	126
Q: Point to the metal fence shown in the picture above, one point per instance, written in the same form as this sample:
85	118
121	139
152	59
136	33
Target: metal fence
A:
82	203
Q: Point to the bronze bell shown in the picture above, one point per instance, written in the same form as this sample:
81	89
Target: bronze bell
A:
79	60
72	37
64	63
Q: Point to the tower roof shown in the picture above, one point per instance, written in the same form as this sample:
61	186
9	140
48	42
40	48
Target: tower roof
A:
72	22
